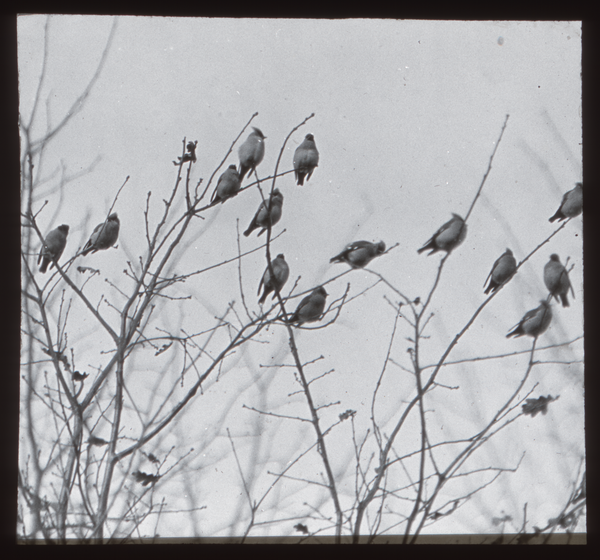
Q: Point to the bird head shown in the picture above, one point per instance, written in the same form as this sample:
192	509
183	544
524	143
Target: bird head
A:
280	256
233	167
508	251
310	137
64	228
380	247
321	290
257	132
554	257
457	217
113	217
277	194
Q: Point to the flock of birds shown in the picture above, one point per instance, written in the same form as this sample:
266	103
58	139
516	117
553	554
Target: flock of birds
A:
357	254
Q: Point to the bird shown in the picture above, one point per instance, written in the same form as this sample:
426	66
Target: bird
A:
359	254
503	270
261	218
310	308
571	205
104	236
534	322
306	158
557	280
53	247
448	237
281	272
251	152
228	185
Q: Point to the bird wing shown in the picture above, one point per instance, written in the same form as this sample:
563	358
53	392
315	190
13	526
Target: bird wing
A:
344	254
94	237
262	281
443	228
303	304
531	320
496	263
360	245
214	194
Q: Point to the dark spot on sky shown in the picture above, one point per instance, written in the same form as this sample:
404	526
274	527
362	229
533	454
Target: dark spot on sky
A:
501	41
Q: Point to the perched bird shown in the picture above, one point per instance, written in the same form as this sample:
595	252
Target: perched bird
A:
53	247
502	271
534	322
557	280
571	205
359	253
251	152
448	237
228	185
261	218
104	236
306	158
310	308
281	272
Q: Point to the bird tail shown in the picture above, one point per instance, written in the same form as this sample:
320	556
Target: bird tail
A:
300	177
565	300
429	245
44	266
248	231
490	288
263	297
556	216
242	171
515	333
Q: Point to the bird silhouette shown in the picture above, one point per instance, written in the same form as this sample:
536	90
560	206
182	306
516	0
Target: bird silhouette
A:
571	205
534	322
228	185
310	308
359	254
251	152
503	270
281	272
104	236
557	280
448	237
306	158
53	247
263	216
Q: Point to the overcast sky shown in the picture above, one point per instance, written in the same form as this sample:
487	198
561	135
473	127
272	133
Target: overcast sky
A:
407	114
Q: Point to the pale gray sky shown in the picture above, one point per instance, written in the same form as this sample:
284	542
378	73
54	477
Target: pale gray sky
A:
406	117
